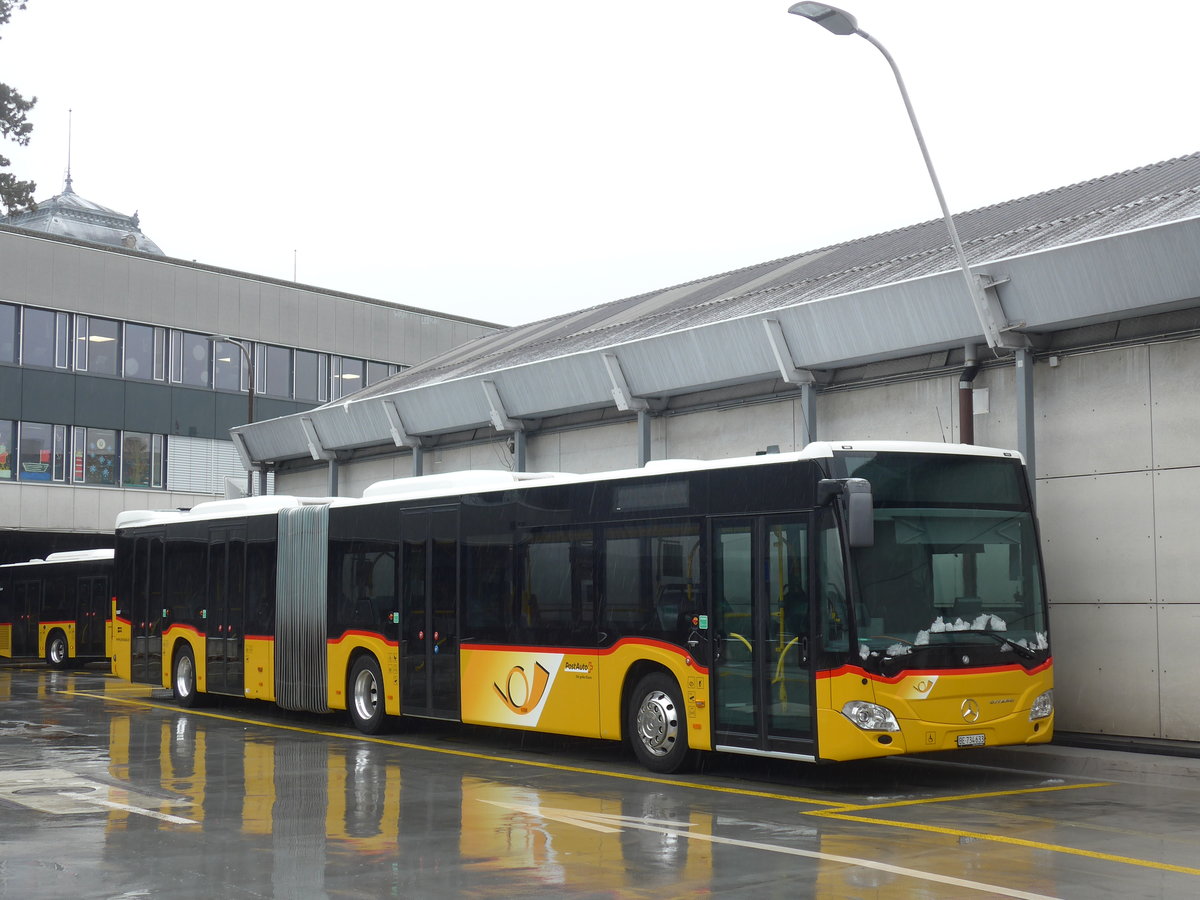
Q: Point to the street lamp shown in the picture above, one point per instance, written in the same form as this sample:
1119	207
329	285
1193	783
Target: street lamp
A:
841	22
249	357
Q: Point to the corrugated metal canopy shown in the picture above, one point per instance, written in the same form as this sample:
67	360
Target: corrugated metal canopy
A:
1103	249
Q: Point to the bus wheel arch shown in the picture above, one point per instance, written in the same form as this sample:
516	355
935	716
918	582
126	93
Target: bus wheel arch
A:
655	720
58	651
183	676
365	696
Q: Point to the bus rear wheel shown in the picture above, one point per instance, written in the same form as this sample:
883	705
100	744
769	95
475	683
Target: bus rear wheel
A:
183	678
57	651
365	694
657	726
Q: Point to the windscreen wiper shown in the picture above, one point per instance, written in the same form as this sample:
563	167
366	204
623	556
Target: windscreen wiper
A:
1019	649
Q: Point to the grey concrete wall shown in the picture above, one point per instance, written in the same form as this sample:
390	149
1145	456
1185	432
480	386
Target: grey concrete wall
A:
27	506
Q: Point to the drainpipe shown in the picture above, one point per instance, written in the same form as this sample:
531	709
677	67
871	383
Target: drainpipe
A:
966	397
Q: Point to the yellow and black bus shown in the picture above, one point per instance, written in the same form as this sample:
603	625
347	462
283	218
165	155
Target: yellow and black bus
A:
845	601
57	608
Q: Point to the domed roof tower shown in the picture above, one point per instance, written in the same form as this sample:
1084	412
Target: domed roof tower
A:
69	215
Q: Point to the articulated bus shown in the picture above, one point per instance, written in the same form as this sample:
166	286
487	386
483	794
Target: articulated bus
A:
57	608
841	602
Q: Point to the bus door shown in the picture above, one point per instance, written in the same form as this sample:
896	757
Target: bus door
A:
26	613
91	610
428	613
762	670
226	619
144	609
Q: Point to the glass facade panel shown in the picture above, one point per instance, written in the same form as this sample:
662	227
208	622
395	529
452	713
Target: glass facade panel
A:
62	340
156	461
78	448
312	375
37	338
348	376
60	452
274	371
139	352
100	457
195	359
229	363
8	333
136	459
35	459
8	433
160	354
377	371
98	345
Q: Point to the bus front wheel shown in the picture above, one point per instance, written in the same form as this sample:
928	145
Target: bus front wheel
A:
183	678
366	696
657	726
57	651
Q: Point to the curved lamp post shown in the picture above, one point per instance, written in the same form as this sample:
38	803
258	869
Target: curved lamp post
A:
249	357
841	22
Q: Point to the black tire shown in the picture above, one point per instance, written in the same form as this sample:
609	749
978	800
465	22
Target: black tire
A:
183	677
364	696
656	724
58	651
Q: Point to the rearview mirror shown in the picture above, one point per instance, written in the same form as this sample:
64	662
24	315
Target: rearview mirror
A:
858	507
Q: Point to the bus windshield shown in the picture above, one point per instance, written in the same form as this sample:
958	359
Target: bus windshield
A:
953	579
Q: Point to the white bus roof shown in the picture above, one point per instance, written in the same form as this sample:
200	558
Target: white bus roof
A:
478	481
67	556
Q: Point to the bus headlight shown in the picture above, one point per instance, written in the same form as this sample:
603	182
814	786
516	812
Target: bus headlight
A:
870	716
1042	706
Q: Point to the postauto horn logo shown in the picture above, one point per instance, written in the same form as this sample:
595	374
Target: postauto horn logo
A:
517	694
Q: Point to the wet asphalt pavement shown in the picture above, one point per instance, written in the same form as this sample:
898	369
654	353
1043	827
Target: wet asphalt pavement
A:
107	791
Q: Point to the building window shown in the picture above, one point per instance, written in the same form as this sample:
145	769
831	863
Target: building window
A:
137	460
312	376
347	376
8	333
99	455
190	357
8	430
273	370
97	345
377	371
229	367
145	348
160	354
44	338
157	460
35	458
60	453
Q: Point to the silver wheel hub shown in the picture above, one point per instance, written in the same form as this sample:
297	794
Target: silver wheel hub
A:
184	676
58	650
366	695
658	723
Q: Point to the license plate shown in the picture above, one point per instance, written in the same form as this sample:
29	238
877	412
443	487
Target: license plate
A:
971	740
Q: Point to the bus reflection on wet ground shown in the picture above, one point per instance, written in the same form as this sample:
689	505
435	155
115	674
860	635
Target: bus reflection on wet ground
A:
106	790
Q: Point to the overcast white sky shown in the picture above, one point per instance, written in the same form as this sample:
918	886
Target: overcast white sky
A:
508	161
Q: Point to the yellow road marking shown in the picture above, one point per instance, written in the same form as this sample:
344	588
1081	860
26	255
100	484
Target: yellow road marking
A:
853	807
841	811
1016	842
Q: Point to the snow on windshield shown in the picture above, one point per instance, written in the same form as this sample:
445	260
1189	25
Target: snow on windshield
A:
984	622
